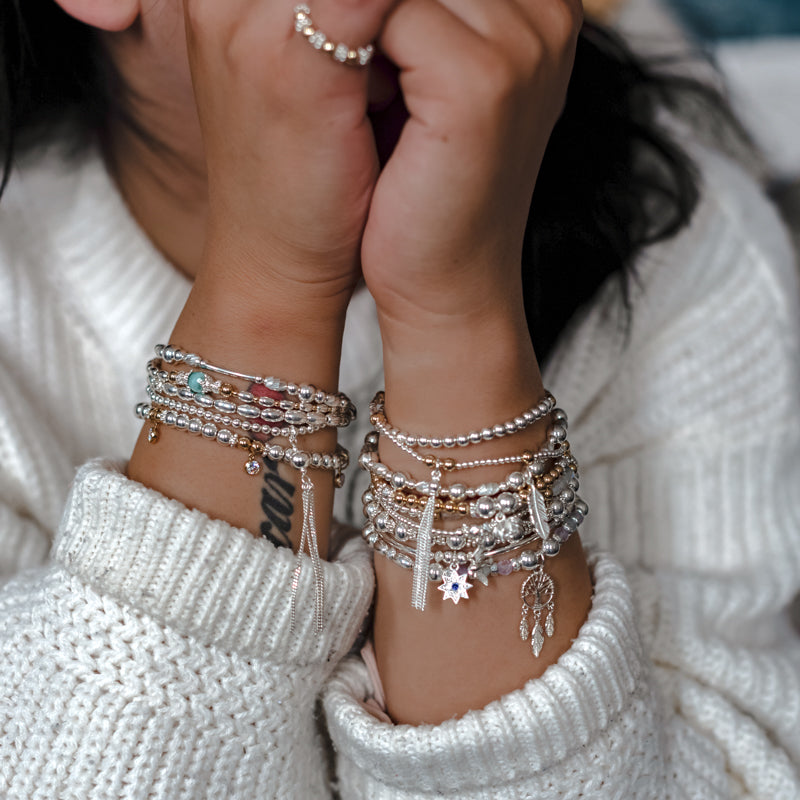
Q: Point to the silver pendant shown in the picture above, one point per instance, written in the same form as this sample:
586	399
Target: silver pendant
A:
538	597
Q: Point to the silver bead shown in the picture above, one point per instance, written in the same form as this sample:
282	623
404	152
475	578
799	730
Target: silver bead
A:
401	532
367	497
209	431
510	427
381	523
458	491
275	452
203	400
455	542
169	418
520	423
527	559
192	360
295	417
195	426
436	442
169	354
557	507
373	538
225	406
566	496
487	489
516	480
499	430
551	547
224	436
462	441
449	441
306	393
507	503
538	468
404	561
435	572
399	480
489	542
380	545
529	416
300	459
515	565
182	422
580	505
484	507
559	415
372	509
487	434
558	433
475	437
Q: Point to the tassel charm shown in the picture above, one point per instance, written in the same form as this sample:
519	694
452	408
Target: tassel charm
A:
538	598
308	538
422	560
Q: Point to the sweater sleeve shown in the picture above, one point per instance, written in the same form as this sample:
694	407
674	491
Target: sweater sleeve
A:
154	656
684	682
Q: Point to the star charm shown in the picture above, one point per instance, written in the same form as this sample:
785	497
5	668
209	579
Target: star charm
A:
454	586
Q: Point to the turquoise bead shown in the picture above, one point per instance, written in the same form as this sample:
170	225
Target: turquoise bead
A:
196	382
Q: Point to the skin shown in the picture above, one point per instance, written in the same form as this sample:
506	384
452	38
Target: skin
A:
278	206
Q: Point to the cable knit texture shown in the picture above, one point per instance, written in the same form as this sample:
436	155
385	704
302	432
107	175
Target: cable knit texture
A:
145	650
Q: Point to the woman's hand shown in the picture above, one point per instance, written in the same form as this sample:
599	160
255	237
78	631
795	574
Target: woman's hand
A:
484	83
290	151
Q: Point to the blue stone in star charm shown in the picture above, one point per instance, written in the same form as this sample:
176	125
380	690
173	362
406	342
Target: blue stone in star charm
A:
454	586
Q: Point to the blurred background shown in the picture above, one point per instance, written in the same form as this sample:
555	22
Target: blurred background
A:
754	46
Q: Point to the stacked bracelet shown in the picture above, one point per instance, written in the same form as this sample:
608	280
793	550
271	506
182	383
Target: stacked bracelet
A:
495	529
199	401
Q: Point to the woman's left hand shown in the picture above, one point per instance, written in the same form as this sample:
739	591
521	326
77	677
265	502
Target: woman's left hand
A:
484	83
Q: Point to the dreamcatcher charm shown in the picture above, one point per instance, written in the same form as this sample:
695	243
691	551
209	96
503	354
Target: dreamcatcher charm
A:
538	593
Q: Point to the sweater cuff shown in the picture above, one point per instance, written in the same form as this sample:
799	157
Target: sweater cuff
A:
204	578
514	740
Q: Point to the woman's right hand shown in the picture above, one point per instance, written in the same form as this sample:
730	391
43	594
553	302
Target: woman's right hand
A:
289	148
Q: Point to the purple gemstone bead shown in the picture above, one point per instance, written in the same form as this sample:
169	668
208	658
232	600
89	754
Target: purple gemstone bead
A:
505	567
561	534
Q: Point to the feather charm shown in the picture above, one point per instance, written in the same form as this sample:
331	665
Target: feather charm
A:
537	509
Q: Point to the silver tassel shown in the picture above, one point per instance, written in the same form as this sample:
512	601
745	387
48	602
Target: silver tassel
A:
422	558
309	535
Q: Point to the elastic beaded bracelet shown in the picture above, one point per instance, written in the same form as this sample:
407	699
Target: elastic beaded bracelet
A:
516	425
304	391
195	403
505	527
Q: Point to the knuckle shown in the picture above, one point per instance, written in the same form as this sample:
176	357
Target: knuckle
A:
567	18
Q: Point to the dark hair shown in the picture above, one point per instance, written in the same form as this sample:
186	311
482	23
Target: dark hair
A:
612	181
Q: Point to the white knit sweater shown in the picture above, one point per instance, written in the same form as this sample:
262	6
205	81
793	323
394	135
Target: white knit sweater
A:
147	655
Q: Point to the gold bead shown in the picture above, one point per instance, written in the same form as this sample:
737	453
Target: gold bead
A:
226	389
448	464
548	493
463	508
450	507
430	462
527	457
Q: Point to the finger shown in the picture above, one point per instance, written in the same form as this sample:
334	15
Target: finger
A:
424	32
337	25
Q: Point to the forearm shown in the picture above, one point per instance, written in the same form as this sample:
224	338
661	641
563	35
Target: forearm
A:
452	378
256	330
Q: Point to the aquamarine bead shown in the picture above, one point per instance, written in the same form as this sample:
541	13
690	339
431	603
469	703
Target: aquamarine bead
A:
196	381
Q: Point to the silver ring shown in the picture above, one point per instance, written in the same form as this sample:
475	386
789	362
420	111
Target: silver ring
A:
338	51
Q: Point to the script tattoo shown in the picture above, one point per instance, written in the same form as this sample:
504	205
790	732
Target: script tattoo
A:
277	503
